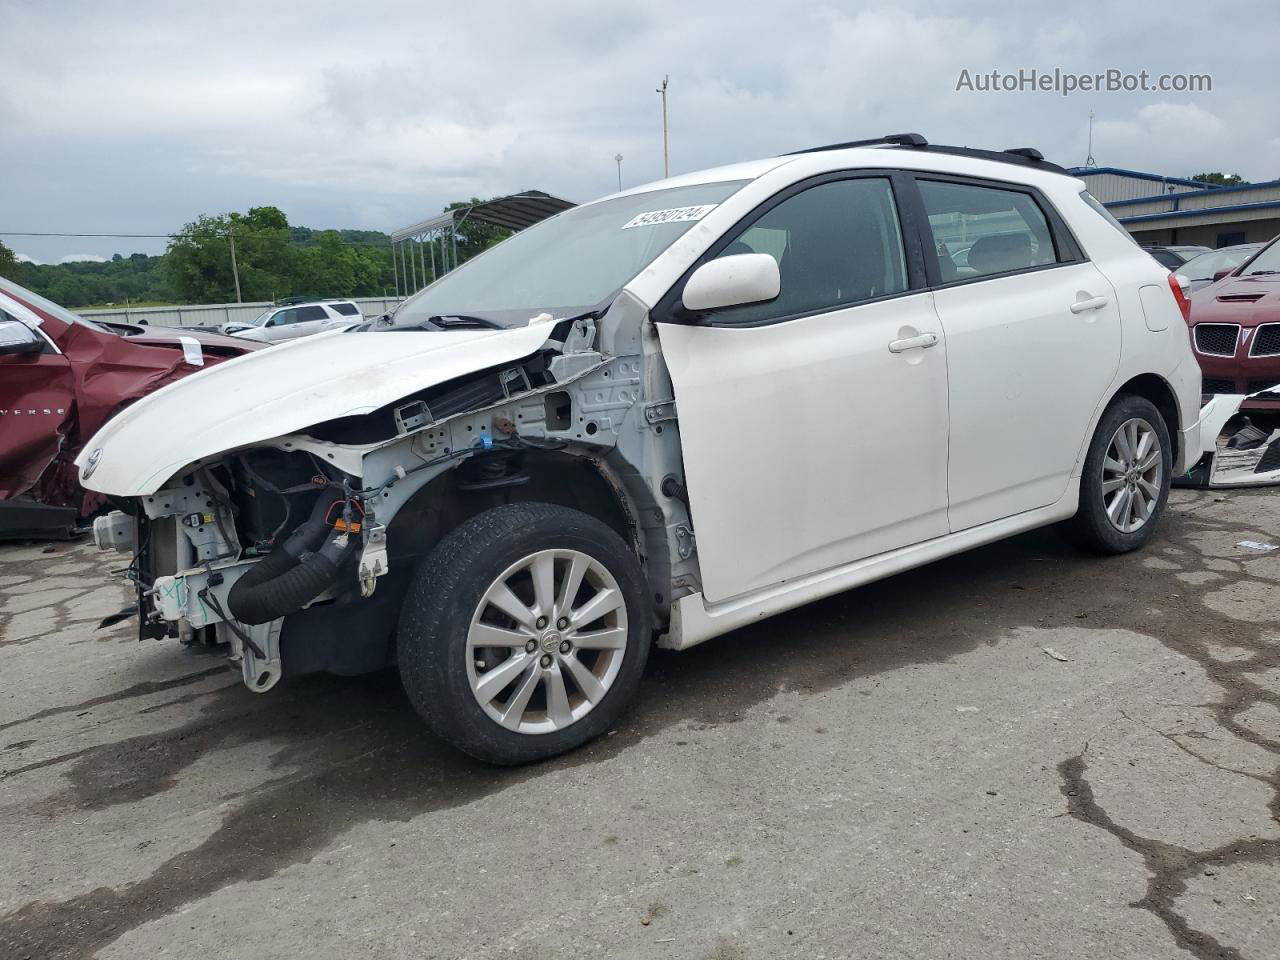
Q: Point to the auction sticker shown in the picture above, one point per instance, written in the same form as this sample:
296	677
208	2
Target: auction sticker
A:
672	215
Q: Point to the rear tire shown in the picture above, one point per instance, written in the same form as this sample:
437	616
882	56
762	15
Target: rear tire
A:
1125	484
525	633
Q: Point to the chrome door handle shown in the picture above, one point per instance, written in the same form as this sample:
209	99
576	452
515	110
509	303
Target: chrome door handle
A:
924	341
1093	303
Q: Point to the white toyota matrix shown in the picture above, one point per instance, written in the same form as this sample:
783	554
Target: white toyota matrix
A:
660	416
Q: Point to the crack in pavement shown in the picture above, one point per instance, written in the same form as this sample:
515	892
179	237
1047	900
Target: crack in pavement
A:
1171	866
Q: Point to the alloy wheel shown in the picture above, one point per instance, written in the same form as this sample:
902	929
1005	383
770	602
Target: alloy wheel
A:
1132	471
546	641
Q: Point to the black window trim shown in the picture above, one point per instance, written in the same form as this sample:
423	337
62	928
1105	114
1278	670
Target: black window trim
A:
670	308
1066	248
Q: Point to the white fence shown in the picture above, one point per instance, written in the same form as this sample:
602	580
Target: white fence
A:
214	314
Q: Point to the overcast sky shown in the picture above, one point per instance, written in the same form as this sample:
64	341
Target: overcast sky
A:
135	117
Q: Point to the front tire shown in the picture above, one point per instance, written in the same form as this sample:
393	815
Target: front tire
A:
1125	484
525	633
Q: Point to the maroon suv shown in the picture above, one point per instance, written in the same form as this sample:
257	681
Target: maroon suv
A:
1235	330
61	378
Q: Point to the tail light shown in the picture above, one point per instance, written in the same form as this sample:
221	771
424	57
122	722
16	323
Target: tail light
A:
1178	284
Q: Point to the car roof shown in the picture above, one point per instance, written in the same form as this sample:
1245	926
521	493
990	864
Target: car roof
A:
747	170
310	303
889	157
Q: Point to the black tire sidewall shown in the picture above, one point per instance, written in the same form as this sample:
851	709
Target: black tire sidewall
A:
442	599
1091	526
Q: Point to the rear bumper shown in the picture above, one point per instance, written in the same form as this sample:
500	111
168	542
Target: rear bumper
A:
1189	449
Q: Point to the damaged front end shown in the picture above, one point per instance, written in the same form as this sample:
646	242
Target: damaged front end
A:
1241	443
224	554
293	551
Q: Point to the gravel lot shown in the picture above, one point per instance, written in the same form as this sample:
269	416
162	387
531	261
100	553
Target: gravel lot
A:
900	771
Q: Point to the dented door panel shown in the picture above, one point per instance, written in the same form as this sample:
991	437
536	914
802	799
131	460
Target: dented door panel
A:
37	407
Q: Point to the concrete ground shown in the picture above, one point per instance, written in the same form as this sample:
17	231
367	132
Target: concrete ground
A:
1020	752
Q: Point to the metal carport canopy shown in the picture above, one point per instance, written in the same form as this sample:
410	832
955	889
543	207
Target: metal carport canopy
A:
515	212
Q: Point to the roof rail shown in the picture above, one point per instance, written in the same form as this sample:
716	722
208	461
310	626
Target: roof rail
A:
1022	156
896	139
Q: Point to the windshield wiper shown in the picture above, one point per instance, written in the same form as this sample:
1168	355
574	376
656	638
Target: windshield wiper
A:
454	320
1261	273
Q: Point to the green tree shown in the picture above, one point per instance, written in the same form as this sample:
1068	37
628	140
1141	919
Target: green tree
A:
1221	179
8	261
81	283
199	258
273	258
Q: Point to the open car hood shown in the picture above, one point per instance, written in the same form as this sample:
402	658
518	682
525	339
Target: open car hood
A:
282	390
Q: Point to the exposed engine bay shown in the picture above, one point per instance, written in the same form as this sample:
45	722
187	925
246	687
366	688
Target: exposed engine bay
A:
294	553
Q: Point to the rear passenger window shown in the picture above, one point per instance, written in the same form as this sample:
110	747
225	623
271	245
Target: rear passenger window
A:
346	309
836	244
981	231
307	314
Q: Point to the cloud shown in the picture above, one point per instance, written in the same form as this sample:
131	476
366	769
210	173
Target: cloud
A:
378	114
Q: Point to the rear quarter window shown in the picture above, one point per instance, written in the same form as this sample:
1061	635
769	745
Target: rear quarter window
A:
1105	214
346	309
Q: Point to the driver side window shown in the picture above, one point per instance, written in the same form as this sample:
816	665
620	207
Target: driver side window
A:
837	244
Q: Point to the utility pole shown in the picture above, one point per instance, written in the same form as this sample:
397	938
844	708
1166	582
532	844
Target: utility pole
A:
235	271
666	166
618	160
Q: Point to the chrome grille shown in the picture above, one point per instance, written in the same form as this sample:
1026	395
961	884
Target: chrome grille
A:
1218	339
1266	342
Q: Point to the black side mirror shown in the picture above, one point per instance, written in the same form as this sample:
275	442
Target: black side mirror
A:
1222	273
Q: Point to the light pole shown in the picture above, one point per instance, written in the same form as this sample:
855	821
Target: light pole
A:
666	166
235	271
618	159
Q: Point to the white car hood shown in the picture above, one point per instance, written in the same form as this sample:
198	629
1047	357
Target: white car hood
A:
281	390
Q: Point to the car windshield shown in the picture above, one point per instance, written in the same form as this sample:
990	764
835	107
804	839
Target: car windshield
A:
262	318
567	265
1266	262
49	307
1206	265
